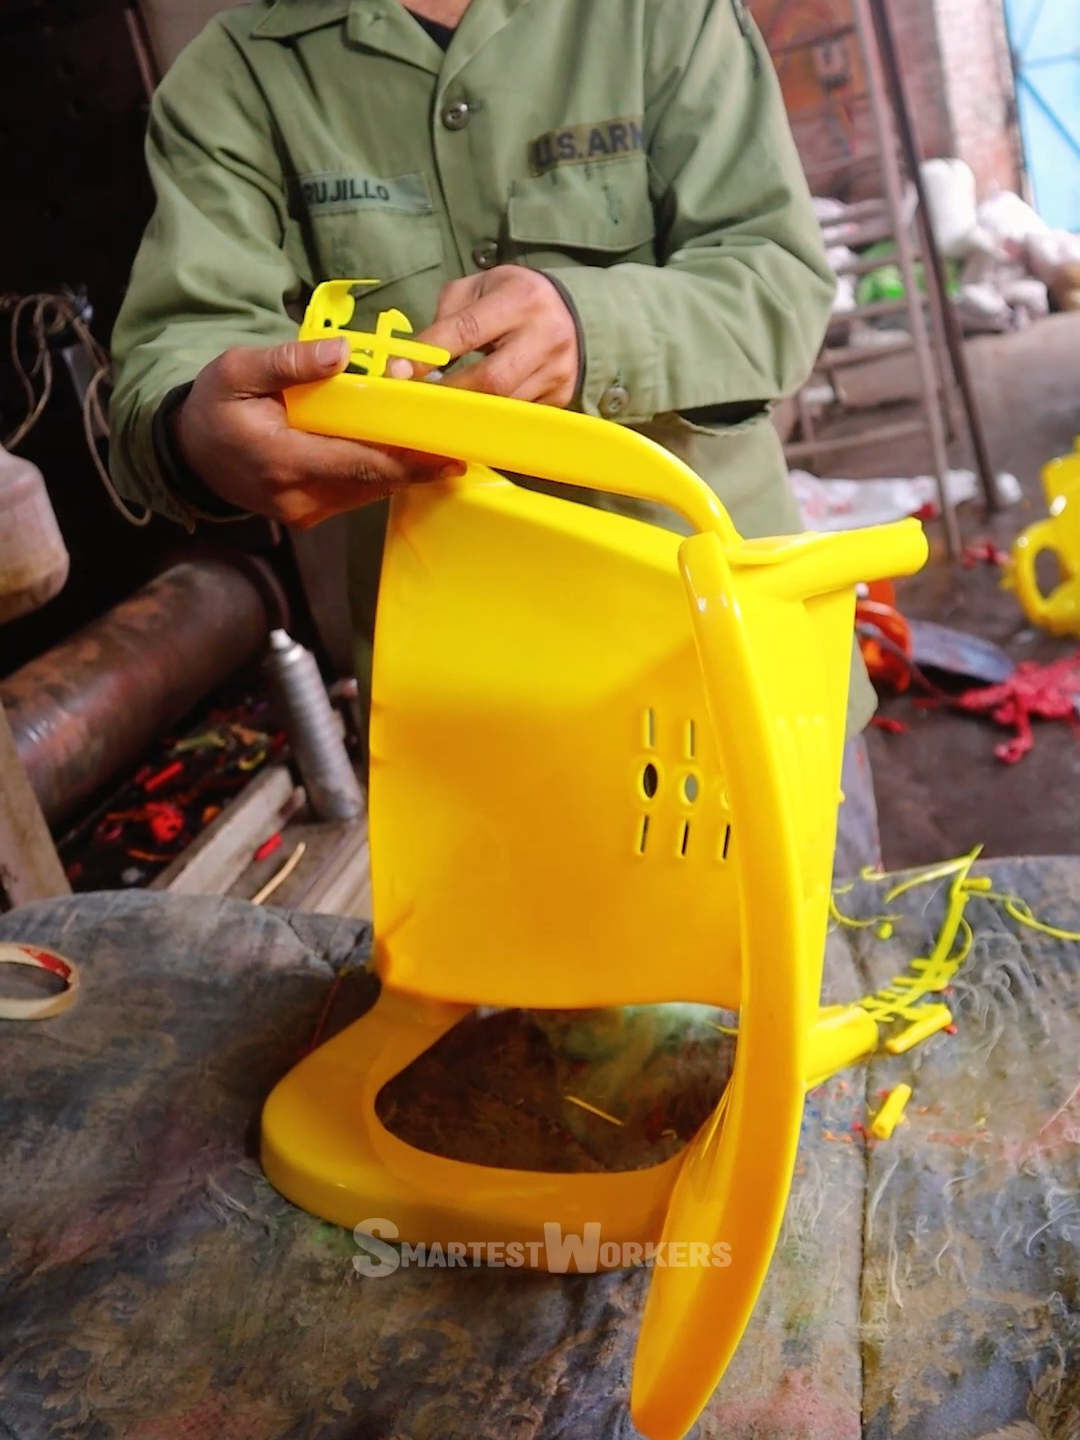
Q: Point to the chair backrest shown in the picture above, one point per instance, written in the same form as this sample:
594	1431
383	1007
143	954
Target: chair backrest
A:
548	813
539	693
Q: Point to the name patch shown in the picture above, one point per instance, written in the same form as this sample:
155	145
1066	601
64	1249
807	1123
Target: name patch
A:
338	191
583	144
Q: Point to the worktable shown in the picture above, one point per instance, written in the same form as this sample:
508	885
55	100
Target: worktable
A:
154	1287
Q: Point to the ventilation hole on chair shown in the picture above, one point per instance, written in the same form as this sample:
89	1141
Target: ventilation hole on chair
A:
690	789
685	838
644	834
650	728
727	842
691	739
650	780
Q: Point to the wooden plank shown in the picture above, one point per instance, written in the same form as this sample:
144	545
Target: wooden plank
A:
344	886
221	854
332	877
842	357
872	310
30	868
875	435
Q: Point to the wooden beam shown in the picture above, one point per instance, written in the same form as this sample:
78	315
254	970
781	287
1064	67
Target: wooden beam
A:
30	868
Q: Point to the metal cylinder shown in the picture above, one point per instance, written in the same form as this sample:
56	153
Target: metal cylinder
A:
313	730
90	706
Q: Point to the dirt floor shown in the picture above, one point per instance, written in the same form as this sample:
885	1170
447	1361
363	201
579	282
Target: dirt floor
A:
940	788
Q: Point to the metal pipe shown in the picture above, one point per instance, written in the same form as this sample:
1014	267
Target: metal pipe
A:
93	704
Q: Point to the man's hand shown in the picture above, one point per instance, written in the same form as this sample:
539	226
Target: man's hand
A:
521	322
233	432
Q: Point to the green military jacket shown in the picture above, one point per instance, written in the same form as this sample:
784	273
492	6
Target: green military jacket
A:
637	149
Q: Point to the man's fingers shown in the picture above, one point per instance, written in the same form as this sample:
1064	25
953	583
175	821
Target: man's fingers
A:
482	322
246	372
501	373
312	460
455	295
546	386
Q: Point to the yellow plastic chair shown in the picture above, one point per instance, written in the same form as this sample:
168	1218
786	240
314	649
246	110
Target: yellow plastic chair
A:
605	770
1058	612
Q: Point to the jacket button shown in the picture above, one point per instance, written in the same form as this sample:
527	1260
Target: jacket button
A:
614	401
455	116
486	254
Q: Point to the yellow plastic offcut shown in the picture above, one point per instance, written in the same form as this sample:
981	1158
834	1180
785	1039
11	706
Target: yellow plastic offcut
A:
1058	612
605	768
891	1113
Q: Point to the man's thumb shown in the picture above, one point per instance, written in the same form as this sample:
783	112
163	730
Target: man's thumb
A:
299	362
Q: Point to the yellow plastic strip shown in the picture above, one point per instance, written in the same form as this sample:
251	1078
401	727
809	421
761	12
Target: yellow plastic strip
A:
1021	912
277	880
936	872
850	923
593	1110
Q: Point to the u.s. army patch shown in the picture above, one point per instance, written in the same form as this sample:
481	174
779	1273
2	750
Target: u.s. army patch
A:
333	192
585	144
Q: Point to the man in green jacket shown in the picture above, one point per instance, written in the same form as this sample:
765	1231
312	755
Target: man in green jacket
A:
593	203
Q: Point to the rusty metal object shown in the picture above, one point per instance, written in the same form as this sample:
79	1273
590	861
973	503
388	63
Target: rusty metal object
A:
87	708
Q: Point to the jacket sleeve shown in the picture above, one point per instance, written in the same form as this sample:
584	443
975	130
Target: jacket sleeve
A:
211	271
735	309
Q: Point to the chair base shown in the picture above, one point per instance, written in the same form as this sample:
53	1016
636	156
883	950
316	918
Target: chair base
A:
325	1149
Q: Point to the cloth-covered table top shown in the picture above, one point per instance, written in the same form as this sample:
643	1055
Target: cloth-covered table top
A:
154	1286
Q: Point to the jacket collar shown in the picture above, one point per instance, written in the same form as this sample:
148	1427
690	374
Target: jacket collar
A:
383	25
286	18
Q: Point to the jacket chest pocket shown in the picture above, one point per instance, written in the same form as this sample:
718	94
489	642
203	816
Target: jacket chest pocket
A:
385	230
587	214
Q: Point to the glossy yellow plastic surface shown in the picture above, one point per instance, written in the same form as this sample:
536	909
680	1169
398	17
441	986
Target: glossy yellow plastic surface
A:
605	767
1058	612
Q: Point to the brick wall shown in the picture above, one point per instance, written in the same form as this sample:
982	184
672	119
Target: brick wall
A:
956	68
979	85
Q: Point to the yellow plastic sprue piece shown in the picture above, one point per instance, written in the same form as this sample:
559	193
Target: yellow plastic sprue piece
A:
328	315
605	764
1058	612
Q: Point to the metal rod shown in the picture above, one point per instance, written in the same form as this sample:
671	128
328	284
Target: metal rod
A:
953	334
890	174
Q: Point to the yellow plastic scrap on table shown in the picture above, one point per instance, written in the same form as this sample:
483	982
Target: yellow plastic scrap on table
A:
891	1113
1058	612
605	770
904	1001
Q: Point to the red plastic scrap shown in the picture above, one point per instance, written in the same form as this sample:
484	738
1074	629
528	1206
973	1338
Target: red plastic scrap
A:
155	782
983	552
268	847
1045	692
166	821
886	723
